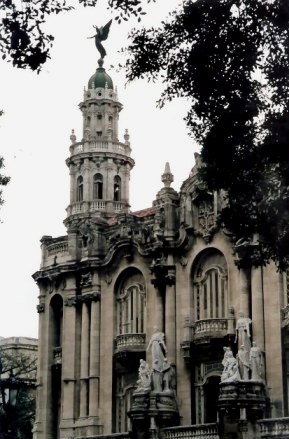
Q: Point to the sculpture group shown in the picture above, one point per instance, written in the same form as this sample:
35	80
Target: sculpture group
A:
248	364
160	378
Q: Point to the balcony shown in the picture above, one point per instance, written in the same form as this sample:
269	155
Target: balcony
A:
96	205
202	431
206	329
274	428
100	146
130	342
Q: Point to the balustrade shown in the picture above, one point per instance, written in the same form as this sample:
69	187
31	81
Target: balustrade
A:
210	328
274	428
100	145
202	431
57	247
130	340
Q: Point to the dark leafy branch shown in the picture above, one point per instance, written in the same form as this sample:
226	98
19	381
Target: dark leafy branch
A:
230	58
23	40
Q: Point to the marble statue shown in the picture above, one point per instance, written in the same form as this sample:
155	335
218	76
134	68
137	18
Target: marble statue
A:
244	362
159	350
243	334
256	359
227	351
168	384
101	35
144	377
231	369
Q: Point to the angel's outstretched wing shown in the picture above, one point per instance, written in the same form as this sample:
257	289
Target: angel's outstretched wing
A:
104	31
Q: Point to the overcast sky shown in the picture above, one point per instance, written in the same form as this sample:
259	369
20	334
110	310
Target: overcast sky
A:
40	111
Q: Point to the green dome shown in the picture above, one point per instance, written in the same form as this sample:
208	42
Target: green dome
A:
99	79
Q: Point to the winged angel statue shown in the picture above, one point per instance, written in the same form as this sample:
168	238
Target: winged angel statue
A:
101	35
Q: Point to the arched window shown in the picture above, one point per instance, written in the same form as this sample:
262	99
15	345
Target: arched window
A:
79	189
97	187
116	188
210	299
131	310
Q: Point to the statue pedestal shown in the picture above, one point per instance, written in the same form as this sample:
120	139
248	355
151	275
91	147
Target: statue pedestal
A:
151	411
240	405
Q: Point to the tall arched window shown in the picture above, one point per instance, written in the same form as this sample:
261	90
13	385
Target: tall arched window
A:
79	189
210	299
131	310
116	188
97	187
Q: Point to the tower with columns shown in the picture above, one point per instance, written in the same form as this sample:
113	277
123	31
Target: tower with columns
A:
117	274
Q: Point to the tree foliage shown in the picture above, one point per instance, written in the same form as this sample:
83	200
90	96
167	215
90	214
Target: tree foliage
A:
230	58
18	370
4	180
23	39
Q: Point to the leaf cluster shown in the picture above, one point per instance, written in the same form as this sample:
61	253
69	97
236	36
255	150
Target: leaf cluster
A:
23	39
230	58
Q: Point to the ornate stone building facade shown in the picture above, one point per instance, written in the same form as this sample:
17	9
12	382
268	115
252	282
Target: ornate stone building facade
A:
117	274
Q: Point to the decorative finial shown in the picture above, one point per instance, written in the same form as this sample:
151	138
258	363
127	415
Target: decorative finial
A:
101	35
167	177
72	137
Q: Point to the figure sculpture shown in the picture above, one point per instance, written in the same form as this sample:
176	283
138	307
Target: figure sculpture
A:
144	374
243	331
256	359
159	350
231	369
244	362
101	35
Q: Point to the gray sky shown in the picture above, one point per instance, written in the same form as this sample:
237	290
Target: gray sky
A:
40	111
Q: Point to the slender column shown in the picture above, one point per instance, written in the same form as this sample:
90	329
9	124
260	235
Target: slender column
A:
170	316
84	361
244	291
258	306
86	182
94	358
68	358
39	389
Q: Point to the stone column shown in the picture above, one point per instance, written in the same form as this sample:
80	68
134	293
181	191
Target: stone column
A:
258	306
86	181
39	389
170	318
94	357
84	361
68	361
244	288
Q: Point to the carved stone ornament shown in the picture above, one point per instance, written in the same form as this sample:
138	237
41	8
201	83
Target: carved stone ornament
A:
70	301
40	307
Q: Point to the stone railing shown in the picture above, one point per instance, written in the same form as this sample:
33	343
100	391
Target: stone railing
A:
97	205
56	248
274	428
202	431
210	328
126	341
124	435
100	146
86	206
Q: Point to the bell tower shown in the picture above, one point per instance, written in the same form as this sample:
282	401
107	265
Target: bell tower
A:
99	164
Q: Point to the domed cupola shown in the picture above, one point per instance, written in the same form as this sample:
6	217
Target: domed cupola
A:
100	79
99	164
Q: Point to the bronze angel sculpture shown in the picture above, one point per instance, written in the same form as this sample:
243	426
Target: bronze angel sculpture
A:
101	35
